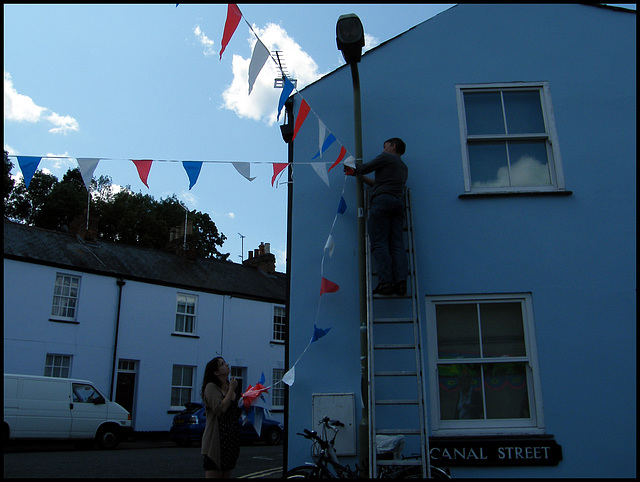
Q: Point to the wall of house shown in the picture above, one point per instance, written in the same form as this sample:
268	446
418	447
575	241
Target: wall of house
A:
238	329
574	254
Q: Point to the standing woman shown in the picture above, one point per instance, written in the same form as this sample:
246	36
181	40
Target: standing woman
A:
221	437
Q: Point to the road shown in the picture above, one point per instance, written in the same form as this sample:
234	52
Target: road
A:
158	459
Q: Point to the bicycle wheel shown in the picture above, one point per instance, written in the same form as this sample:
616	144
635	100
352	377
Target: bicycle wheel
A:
416	473
306	472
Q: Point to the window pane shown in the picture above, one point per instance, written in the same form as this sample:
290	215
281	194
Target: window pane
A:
488	164
502	329
457	327
177	376
524	112
506	390
460	392
529	163
484	113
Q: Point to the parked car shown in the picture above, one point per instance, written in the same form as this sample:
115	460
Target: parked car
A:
61	408
189	425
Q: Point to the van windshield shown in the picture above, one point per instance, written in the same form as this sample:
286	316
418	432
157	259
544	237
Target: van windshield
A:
85	393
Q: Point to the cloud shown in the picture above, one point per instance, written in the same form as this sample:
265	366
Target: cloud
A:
205	41
231	215
22	108
263	101
526	171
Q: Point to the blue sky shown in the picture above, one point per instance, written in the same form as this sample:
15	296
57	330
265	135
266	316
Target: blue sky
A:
121	82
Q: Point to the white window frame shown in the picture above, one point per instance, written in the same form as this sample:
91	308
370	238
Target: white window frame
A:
193	316
279	324
550	137
55	366
277	389
64	293
535	423
182	386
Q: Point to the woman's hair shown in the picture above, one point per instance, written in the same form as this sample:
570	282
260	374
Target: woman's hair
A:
210	376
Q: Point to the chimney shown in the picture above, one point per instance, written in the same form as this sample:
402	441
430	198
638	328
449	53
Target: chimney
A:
262	258
180	244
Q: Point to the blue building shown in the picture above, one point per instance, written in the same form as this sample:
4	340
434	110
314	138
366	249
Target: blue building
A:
520	126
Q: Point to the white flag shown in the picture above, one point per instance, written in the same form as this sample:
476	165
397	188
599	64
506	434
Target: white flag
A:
259	57
87	166
321	170
290	376
244	168
330	245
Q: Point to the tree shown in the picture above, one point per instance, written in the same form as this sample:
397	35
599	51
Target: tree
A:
123	216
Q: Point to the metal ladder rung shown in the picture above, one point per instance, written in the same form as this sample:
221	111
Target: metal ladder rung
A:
398	431
397	402
410	462
393	320
395	346
397	373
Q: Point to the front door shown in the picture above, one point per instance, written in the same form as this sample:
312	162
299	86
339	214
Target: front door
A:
126	386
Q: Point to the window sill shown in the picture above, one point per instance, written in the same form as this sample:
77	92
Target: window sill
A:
277	342
470	195
72	322
184	335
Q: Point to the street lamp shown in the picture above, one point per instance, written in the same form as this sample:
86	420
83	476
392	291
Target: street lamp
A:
350	40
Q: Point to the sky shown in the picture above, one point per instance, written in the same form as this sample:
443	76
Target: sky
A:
121	82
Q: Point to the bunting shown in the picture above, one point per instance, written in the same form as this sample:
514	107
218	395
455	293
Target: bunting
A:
327	286
28	166
277	169
286	92
244	168
143	166
233	19
193	171
258	59
302	115
87	166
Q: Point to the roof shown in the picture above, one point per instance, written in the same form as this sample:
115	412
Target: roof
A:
66	251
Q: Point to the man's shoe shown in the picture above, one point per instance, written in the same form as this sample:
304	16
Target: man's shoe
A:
400	288
384	289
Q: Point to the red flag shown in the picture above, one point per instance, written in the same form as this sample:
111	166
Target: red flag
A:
233	19
328	286
343	151
251	394
302	115
278	167
143	166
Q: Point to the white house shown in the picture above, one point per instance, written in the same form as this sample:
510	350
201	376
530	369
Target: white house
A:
140	323
520	126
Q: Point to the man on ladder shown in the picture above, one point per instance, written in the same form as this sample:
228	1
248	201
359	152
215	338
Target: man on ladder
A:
386	216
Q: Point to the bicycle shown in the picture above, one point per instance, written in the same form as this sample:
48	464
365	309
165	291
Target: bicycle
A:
327	466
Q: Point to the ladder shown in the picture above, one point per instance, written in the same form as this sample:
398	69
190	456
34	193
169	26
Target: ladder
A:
396	388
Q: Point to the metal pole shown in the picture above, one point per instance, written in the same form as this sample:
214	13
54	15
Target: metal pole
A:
363	429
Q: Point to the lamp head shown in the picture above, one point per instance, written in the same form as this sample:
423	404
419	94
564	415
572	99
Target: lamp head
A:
350	37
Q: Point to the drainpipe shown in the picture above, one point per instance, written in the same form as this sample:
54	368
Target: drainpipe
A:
114	366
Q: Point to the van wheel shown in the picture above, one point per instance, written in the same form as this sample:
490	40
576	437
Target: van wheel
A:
107	437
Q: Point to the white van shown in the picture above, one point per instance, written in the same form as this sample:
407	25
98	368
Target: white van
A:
61	408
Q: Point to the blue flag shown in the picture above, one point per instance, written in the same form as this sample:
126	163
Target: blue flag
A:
28	166
193	171
286	92
318	333
327	142
342	205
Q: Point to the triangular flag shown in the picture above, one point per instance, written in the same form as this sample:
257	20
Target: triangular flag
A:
302	115
233	19
318	333
28	166
327	142
321	171
321	132
87	166
259	57
342	205
287	88
143	166
330	245
343	151
350	161
327	286
193	171
278	167
290	376
244	168
262	379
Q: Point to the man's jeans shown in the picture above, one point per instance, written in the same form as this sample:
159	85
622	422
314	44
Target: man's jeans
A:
386	219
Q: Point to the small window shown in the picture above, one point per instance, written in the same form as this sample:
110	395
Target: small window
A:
181	385
279	317
277	389
508	137
186	314
58	366
484	376
65	297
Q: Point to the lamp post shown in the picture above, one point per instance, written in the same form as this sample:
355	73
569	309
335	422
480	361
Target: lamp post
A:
350	40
